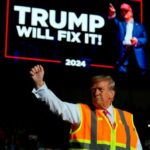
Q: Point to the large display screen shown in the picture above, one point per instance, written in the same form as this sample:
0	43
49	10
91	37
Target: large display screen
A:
68	33
71	33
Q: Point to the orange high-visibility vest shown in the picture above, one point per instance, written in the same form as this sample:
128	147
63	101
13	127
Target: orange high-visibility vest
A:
96	133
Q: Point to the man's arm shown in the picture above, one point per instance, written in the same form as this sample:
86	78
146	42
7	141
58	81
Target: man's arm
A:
68	111
139	145
140	34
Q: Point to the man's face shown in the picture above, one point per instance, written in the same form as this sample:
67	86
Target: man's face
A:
102	95
126	12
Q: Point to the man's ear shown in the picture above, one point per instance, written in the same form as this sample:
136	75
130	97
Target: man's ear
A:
112	94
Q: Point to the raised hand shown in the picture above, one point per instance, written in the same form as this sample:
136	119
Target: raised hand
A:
111	10
37	74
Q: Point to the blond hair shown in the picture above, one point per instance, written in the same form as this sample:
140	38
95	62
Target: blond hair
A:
108	78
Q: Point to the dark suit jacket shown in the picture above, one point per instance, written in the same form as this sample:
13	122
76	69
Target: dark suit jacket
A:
119	27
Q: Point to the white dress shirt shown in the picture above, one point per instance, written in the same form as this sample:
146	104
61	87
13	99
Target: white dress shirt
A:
128	35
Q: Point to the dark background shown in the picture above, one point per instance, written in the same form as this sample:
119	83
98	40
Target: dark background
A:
26	122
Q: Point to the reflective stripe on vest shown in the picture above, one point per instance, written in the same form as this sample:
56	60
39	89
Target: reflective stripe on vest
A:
126	129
